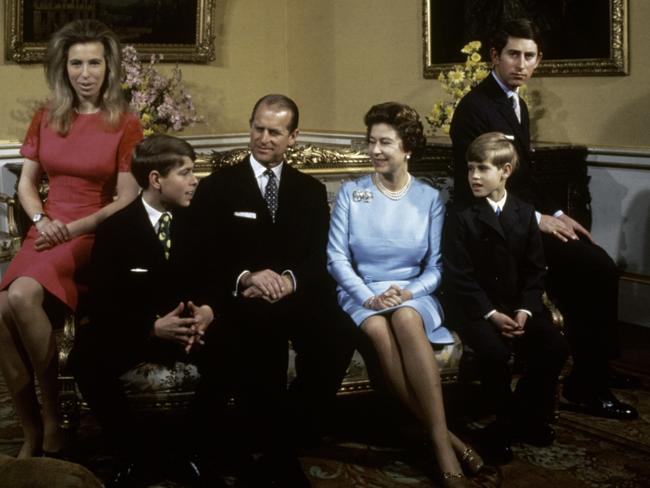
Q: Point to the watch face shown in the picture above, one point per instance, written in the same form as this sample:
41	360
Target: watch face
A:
37	217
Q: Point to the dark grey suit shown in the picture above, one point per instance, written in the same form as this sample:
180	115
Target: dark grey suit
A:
131	285
250	354
498	263
582	277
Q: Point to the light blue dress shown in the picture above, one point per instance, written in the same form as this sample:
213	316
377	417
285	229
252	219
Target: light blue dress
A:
375	241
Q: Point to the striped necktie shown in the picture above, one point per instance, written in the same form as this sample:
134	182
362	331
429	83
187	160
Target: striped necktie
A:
164	235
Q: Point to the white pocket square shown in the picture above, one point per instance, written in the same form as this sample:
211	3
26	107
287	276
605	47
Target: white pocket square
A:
246	215
139	270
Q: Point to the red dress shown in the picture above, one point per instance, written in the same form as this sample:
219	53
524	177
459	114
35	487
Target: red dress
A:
82	170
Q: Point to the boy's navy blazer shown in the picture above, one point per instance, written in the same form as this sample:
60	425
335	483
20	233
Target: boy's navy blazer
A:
494	262
131	282
234	219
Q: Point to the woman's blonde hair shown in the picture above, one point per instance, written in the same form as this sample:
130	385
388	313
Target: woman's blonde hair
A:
64	100
493	148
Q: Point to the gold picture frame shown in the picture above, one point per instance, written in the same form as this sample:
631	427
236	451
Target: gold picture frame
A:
584	38
29	23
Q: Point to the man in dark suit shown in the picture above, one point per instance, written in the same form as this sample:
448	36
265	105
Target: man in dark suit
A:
581	274
141	298
268	223
494	268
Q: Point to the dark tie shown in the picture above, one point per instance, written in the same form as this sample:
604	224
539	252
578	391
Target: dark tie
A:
515	106
498	211
271	193
164	224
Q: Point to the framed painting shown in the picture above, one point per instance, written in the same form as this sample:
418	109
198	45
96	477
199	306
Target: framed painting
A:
180	30
579	37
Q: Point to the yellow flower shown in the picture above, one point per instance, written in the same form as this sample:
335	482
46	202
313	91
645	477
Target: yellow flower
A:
436	110
145	118
470	47
480	74
147	132
456	76
457	82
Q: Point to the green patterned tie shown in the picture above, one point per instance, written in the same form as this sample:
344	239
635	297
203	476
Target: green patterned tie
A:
164	235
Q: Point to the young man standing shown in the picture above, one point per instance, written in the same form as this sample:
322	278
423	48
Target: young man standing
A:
581	274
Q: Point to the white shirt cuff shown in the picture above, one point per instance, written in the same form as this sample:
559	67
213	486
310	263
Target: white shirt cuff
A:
527	312
559	213
236	290
293	278
489	314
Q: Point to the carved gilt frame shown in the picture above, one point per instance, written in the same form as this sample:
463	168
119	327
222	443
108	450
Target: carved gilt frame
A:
616	63
200	50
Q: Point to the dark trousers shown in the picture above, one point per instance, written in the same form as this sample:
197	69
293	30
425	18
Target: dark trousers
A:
583	280
247	355
543	350
97	363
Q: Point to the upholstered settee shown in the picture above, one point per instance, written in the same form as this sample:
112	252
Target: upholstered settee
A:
152	387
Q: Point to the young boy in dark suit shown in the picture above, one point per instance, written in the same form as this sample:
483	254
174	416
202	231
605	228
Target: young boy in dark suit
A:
147	302
494	267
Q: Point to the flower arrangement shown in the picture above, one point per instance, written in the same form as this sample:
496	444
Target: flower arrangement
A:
457	82
162	103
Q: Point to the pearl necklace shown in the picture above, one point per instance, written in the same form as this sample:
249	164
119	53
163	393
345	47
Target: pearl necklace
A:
393	195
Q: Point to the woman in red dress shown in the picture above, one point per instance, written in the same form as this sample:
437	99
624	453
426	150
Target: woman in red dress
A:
83	140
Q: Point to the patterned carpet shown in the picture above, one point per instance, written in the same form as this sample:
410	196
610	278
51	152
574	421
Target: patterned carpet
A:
378	448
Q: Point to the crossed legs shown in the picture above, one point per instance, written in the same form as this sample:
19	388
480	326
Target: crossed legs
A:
411	371
28	351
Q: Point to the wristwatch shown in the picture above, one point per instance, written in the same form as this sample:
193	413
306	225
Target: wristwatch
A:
38	217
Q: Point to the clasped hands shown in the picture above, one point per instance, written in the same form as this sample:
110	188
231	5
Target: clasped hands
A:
186	331
392	297
266	284
563	227
509	327
51	233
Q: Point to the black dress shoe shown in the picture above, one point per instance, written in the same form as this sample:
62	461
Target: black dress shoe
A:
601	404
622	380
538	434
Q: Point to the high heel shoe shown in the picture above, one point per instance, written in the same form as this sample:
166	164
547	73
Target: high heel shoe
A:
471	461
455	480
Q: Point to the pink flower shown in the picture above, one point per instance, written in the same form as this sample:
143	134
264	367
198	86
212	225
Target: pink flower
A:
162	103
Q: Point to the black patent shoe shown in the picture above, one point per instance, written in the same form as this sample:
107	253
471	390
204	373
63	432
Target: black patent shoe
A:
600	404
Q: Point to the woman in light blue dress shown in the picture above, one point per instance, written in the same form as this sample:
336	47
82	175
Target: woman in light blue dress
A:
384	253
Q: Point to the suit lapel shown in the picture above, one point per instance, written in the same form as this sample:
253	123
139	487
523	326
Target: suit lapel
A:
250	191
510	218
148	238
286	194
486	215
504	107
